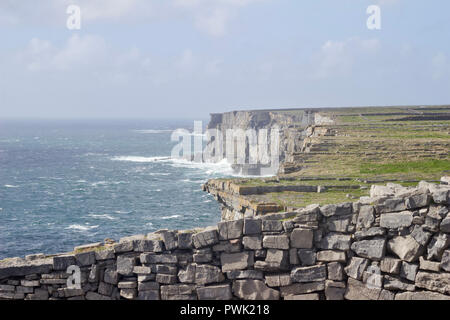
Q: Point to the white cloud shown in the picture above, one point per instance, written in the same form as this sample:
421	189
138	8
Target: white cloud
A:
337	58
209	16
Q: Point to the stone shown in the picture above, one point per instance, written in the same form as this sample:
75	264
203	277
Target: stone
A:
356	267
420	235
335	241
123	247
231	246
152	258
93	274
445	225
63	262
366	217
405	247
219	292
334	290
237	261
96	297
395	284
276	242
311	296
429	265
437	246
370	233
205	238
111	276
127	285
105	254
373	249
105	289
278	280
422	295
302	288
142	270
166	269
147	286
336	209
30	283
254	290
390	265
85	258
128	294
391	205
275	260
252	242
331	256
439	282
230	229
419	200
302	238
409	271
166	278
293	257
357	290
245	274
335	271
148	295
125	265
445	263
252	226
169	239
272	226
307	257
187	275
338	224
396	220
206	274
203	257
146	277
185	240
309	274
148	246
178	292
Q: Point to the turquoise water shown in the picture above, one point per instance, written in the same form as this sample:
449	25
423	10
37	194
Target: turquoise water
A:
66	183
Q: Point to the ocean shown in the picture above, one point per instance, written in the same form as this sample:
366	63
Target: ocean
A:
66	183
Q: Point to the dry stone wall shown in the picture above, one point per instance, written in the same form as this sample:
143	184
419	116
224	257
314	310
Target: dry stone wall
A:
391	245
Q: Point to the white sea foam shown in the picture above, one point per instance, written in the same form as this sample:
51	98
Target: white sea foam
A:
102	216
79	227
123	212
154	131
140	159
175	216
10	186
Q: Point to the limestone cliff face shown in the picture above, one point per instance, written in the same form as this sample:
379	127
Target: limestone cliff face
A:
293	127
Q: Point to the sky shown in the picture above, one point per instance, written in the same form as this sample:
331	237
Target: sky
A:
152	59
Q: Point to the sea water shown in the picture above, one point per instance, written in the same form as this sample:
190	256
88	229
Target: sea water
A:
66	183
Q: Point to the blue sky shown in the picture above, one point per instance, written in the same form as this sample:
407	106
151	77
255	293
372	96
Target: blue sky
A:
187	58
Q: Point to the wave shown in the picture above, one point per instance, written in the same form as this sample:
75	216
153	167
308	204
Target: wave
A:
140	159
10	186
79	227
154	131
221	168
102	216
175	216
123	212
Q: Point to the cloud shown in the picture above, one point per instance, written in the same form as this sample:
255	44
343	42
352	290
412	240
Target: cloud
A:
337	58
209	16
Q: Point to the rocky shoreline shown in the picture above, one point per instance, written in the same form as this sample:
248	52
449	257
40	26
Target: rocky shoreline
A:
391	245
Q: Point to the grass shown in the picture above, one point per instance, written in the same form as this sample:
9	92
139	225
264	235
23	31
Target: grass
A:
423	166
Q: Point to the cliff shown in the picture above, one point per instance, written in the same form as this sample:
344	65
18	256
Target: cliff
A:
392	245
327	155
